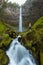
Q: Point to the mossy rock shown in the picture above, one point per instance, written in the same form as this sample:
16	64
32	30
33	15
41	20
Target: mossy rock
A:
0	64
24	40
3	58
12	33
26	43
41	57
1	53
4	44
6	39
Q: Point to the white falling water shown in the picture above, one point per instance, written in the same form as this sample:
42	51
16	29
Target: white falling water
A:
19	55
20	20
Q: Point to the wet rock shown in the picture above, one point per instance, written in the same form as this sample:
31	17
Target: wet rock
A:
19	38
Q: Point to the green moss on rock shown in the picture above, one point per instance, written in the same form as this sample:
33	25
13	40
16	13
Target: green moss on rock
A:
3	58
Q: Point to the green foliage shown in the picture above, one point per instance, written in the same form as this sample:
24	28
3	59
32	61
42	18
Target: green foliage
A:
2	28
38	24
31	39
6	40
5	37
36	33
34	39
5	32
39	28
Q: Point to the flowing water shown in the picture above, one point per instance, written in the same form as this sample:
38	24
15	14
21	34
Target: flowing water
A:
20	20
19	55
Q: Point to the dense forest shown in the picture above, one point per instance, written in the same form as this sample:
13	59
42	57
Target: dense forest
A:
32	38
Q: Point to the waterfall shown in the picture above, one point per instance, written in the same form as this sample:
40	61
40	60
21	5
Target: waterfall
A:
20	20
19	55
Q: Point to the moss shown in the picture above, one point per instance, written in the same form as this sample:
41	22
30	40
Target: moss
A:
38	24
41	55
6	41
34	39
34	35
0	64
6	34
1	53
13	34
30	39
2	28
3	58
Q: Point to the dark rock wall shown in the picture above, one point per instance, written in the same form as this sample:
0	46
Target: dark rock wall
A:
33	10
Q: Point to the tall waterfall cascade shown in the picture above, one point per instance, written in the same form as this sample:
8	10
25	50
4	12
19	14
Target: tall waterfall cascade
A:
20	20
19	55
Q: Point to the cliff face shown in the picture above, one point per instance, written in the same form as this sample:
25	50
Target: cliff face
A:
36	11
31	11
1	2
13	13
26	13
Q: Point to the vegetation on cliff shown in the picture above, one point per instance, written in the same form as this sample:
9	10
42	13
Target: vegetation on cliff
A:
6	35
33	40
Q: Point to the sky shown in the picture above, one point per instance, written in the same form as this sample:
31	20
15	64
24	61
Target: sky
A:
20	2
